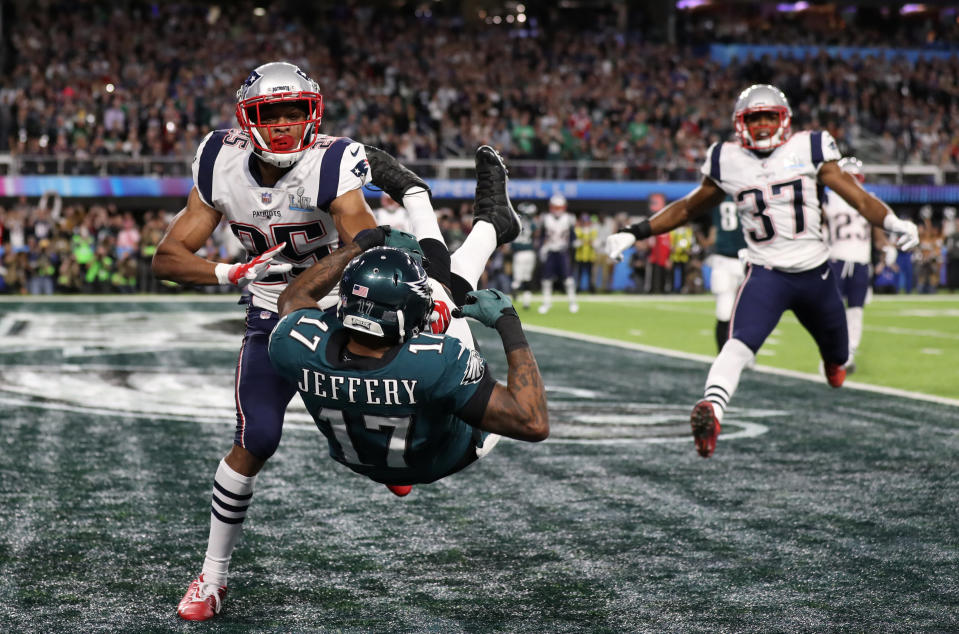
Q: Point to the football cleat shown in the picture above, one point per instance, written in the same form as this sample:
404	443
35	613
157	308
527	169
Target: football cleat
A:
492	201
835	374
202	601
400	490
387	174
705	428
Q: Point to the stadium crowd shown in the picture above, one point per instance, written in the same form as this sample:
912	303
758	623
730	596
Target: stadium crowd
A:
140	86
553	89
51	246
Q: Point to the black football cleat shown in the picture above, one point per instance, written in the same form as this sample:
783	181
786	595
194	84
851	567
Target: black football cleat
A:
492	201
387	174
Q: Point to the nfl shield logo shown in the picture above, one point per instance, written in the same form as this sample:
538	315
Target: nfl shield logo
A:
266	197
362	291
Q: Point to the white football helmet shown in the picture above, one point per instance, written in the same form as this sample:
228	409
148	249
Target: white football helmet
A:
273	83
760	98
852	165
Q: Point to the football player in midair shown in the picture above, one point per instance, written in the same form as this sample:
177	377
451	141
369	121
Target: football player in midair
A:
774	178
398	400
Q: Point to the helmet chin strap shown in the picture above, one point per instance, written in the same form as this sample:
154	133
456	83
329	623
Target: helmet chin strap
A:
286	159
400	322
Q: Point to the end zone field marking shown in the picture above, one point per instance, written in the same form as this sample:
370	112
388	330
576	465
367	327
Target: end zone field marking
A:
689	356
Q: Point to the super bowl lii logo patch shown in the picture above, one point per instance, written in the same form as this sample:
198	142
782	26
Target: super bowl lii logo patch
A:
300	202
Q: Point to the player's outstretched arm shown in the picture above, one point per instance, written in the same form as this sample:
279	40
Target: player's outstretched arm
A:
517	410
175	258
675	214
318	280
904	232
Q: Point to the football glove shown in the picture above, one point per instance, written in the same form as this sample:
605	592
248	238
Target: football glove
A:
386	236
485	306
256	269
905	233
619	242
440	317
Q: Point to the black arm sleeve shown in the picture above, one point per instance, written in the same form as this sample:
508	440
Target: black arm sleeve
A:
474	409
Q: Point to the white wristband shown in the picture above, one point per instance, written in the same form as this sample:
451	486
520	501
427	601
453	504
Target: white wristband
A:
889	222
222	272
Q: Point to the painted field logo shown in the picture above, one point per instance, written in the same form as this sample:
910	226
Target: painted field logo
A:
602	419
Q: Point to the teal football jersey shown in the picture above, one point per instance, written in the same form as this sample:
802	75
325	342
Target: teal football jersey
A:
399	419
729	233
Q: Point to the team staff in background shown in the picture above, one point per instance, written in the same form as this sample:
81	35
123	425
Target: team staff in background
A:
773	176
397	400
290	194
851	240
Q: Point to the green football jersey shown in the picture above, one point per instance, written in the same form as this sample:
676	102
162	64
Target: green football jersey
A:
729	233
399	419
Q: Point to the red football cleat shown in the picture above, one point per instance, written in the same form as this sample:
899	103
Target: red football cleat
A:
705	428
202	601
400	490
835	373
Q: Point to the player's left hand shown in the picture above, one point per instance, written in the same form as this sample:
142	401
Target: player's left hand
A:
619	242
485	306
258	268
905	233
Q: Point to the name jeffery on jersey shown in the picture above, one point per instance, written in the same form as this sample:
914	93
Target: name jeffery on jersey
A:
778	197
295	210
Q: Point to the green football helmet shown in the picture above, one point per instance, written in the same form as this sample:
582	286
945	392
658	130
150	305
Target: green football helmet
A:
384	292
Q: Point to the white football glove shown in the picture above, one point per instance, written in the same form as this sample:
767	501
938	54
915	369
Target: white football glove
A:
252	271
905	233
619	242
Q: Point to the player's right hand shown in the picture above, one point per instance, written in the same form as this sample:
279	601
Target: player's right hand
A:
258	268
485	306
619	242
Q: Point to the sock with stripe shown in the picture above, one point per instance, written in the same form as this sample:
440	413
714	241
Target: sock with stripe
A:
232	493
723	377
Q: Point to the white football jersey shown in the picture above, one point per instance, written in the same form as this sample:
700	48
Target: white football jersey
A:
294	210
777	197
850	234
556	231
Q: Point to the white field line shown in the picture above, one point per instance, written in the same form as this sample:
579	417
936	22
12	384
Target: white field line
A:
805	376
